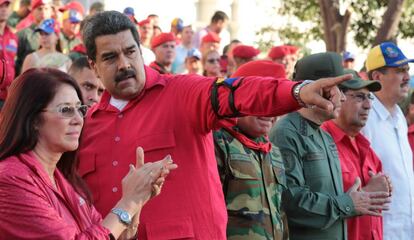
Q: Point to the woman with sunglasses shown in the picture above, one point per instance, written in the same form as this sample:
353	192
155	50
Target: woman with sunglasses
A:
211	64
41	194
48	54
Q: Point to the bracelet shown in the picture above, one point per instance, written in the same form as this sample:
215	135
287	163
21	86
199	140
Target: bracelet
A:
296	92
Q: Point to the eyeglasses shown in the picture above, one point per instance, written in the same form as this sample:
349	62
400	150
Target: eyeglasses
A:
67	111
213	60
360	97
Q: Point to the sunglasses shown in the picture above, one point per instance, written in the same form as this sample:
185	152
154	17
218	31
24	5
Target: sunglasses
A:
213	60
66	111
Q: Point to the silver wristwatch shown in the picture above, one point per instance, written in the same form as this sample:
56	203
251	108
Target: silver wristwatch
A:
124	216
296	92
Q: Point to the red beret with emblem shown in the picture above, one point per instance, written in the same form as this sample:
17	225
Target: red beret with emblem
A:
263	68
73	6
162	38
244	51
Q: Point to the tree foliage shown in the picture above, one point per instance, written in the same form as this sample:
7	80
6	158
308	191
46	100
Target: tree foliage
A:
366	18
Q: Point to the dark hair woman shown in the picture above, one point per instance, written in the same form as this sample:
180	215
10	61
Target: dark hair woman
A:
41	195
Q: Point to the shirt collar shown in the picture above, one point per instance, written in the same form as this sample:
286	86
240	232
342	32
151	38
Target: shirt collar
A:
380	109
339	135
152	79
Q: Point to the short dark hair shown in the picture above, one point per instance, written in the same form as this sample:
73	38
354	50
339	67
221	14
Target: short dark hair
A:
78	65
97	6
219	16
105	23
381	70
29	94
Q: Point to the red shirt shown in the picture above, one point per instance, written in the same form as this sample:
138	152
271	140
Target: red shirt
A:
159	68
31	208
8	50
357	163
173	115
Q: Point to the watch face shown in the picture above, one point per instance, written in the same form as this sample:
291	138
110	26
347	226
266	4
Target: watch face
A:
125	217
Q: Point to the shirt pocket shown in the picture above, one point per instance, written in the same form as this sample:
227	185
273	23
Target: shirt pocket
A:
279	172
180	228
315	165
86	169
242	167
157	145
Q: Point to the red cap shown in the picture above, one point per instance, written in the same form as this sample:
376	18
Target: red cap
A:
162	38
73	5
278	52
145	21
4	1
244	51
211	37
37	3
263	68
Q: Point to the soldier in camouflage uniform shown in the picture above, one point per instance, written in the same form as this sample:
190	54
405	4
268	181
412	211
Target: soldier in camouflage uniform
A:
252	175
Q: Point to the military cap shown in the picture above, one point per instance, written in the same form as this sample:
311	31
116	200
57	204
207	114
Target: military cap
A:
162	38
357	82
245	51
263	68
319	65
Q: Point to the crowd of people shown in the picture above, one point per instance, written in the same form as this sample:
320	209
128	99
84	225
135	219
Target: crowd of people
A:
113	128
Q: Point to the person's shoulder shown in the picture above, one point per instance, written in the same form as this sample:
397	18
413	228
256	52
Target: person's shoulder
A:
11	168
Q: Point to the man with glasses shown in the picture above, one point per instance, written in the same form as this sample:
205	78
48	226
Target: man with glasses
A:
386	128
315	201
357	158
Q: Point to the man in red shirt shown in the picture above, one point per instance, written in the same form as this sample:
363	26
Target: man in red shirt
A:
357	158
163	47
8	49
171	114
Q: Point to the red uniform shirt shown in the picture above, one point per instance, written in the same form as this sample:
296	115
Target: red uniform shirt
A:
159	68
8	47
411	137
357	162
173	115
31	208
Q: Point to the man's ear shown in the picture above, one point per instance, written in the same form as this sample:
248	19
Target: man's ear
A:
92	64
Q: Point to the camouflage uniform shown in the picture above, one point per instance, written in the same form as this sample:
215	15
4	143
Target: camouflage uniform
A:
253	182
29	41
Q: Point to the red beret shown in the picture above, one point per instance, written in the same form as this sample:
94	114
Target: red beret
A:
73	6
278	52
244	51
162	38
211	37
37	3
263	68
144	22
292	49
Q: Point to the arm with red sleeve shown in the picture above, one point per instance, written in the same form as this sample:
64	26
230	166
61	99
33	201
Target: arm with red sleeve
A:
26	213
207	100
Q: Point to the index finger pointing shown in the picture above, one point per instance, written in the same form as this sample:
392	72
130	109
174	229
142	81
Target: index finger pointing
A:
333	81
139	157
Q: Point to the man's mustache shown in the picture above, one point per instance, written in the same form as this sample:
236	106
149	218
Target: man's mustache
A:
124	74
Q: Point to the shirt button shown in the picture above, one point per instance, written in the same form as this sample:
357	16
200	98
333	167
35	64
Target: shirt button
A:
120	115
114	189
117	139
347	209
114	163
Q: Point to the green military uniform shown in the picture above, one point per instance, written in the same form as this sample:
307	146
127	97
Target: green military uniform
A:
253	182
315	202
28	43
67	44
13	19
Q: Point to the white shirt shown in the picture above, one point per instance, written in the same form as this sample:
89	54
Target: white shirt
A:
148	55
118	103
178	66
388	135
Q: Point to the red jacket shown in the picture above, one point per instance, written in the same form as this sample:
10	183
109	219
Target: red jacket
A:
411	137
31	208
357	163
173	115
8	47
